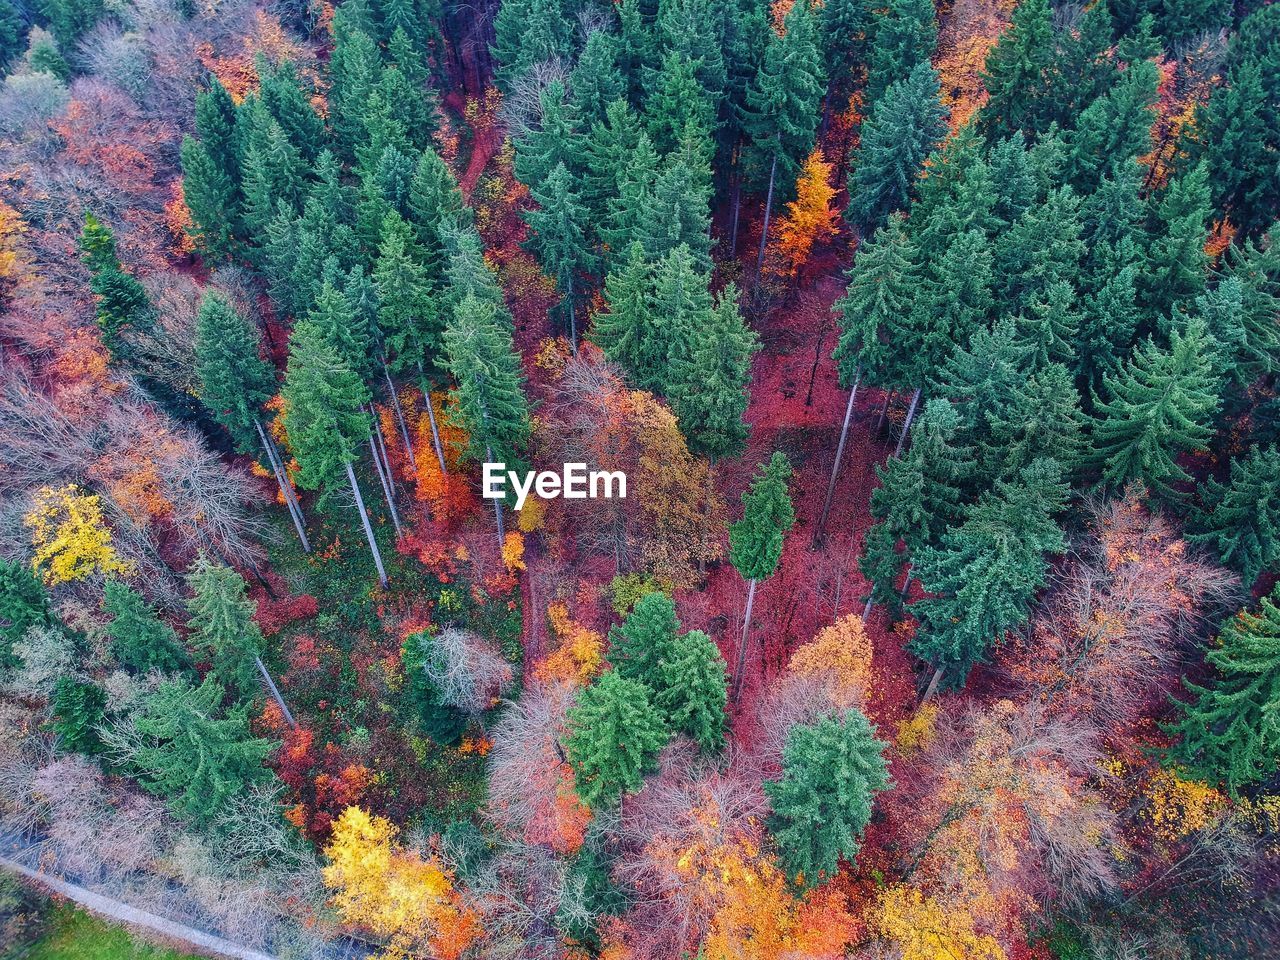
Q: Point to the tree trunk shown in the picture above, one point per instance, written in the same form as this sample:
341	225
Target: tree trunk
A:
835	467
742	645
497	509
866	610
290	494
400	421
736	174
768	209
286	491
275	692
884	413
573	321
368	530
382	449
933	684
386	487
431	418
906	584
911	415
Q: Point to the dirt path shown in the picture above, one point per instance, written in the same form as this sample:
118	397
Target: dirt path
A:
123	913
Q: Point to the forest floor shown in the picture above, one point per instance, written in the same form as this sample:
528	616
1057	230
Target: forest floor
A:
76	935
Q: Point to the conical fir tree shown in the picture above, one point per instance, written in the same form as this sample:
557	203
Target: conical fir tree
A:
234	379
223	628
489	402
122	303
755	541
1241	518
78	709
213	199
645	639
1015	74
904	127
1160	405
694	689
628	329
559	239
709	378
23	604
903	37
194	756
614	737
831	773
1229	731
140	640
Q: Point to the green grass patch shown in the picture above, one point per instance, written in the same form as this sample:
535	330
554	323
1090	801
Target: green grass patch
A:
76	935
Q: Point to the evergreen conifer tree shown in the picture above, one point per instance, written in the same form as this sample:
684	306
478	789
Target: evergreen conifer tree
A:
222	626
559	239
23	604
1241	518
140	640
1015	74
693	689
831	773
903	38
628	328
78	709
614	737
645	639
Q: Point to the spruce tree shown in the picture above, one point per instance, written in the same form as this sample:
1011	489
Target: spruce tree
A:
194	755
1015	74
557	140
223	628
693	689
677	102
1050	325
436	207
755	541
1042	247
140	640
628	329
1240	520
1236	146
608	150
831	773
981	376
644	640
903	37
596	82
982	577
213	200
355	66
78	707
559	239
215	121
678	211
1160	405
23	604
280	90
407	311
782	103
1256	267
628	207
1178	265
234	380
709	379
122	303
528	33
843	29
1041	419
903	128
614	737
273	172
1116	127
681	303
1229	732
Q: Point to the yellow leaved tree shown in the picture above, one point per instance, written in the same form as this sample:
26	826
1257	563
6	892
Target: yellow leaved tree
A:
923	928
407	900
70	537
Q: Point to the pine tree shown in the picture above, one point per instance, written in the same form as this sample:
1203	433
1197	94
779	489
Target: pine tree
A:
1229	732
78	709
755	541
122	303
678	211
193	755
636	177
903	128
843	26
1161	404
1241	518
140	640
1041	419
408	318
234	380
984	574
222	626
281	92
23	604
557	140
436	207
355	66
917	499
325	419
628	328
489	402
903	37
681	303
559	239
1116	127
614	737
645	639
1041	248
527	33
782	103
980	377
213	200
709	379
1015	74
831	773
596	82
1178	266
694	690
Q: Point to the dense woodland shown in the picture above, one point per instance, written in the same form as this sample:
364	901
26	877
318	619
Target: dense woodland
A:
940	346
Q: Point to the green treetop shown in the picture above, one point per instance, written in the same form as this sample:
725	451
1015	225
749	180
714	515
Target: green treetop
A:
195	756
559	238
903	37
23	604
222	626
1015	74
1241	518
755	541
644	639
140	640
408	318
557	139
78	709
693	689
614	737
234	379
1229	730
831	773
628	330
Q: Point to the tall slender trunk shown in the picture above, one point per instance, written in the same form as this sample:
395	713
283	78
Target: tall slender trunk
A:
382	449
866	610
736	173
573	320
906	584
768	210
386	487
400	421
286	490
368	529
275	692
835	467
911	415
742	644
933	684
431	418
